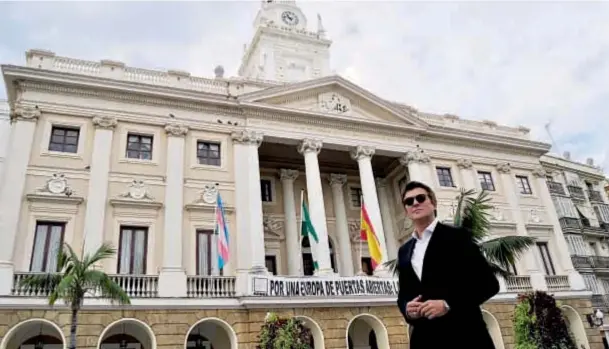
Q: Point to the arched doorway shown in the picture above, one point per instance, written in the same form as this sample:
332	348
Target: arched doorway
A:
307	257
34	334
318	335
366	331
127	334
575	325
492	325
211	333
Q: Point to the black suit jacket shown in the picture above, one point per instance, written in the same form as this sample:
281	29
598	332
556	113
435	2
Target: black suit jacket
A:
454	270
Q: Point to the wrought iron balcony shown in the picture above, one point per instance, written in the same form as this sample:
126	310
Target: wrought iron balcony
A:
576	192
582	262
568	223
600	301
595	195
600	262
556	188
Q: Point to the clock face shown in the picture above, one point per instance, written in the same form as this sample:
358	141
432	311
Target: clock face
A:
289	18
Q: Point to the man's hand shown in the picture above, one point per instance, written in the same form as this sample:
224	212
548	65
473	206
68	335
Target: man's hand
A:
413	307
433	309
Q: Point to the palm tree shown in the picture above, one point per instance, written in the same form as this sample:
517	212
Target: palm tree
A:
472	214
77	278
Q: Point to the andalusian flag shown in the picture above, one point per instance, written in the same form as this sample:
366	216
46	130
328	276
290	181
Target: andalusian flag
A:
367	234
307	229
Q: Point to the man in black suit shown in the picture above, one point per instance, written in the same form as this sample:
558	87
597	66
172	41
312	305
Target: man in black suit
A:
444	278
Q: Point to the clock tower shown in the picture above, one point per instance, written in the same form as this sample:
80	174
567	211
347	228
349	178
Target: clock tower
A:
283	49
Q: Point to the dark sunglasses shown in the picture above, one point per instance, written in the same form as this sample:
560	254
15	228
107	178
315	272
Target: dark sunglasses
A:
409	201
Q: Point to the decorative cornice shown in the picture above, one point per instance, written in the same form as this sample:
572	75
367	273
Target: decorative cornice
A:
288	174
247	137
504	167
310	145
50	198
25	113
539	172
362	152
176	130
139	204
105	122
465	163
337	179
414	157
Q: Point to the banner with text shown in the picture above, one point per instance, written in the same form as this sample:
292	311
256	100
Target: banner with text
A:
322	286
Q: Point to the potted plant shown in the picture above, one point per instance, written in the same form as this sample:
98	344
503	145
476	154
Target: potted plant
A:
284	333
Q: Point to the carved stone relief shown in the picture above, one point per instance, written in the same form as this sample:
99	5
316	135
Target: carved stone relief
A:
334	103
273	227
57	185
137	190
414	156
208	195
534	216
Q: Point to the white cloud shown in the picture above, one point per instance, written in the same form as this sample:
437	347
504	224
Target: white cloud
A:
512	62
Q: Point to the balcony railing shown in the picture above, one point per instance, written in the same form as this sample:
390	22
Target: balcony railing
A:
557	283
518	284
576	192
595	195
556	188
582	262
570	223
600	301
600	262
210	286
136	286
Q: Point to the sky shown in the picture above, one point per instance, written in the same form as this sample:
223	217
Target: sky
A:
516	63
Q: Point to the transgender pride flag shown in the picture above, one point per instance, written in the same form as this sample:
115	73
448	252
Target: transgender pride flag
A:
222	231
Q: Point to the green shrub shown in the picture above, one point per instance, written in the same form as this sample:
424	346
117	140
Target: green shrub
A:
283	333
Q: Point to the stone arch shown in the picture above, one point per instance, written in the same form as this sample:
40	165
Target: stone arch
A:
135	333
575	325
493	328
216	332
318	334
33	330
362	328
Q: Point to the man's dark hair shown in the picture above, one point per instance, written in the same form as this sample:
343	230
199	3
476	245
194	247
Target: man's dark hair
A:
414	185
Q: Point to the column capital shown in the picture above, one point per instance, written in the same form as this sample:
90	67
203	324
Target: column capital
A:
310	145
504	167
539	172
247	137
362	152
337	179
25	113
176	130
414	156
465	163
288	174
105	122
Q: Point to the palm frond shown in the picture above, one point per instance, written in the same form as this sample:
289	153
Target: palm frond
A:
99	281
506	250
498	270
459	209
476	217
103	252
392	265
73	261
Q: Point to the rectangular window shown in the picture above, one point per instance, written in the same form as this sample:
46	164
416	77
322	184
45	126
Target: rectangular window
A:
271	264
64	139
132	251
367	266
523	185
548	266
565	207
139	147
47	244
206	248
266	191
356	196
445	177
208	153
486	181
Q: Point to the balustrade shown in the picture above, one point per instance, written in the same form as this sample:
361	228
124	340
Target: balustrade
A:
518	283
210	286
557	282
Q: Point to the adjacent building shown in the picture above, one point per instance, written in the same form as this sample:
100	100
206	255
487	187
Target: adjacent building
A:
104	152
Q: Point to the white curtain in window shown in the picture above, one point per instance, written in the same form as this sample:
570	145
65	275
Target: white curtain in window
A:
203	253
125	252
592	283
54	246
215	270
604	212
140	252
564	207
38	252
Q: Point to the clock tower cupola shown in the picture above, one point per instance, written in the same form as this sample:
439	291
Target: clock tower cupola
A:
283	49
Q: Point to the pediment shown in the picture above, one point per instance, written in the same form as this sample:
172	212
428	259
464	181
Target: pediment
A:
337	96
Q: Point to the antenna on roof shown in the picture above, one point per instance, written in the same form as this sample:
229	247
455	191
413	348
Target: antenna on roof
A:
554	145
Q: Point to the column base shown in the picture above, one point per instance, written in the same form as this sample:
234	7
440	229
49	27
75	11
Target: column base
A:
324	272
259	270
538	281
7	272
576	281
172	283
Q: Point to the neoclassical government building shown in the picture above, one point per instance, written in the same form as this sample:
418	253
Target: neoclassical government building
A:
103	152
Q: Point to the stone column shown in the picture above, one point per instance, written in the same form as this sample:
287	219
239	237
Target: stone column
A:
363	155
24	120
337	182
538	280
310	148
249	201
97	195
575	279
391	241
417	163
172	278
292	235
468	175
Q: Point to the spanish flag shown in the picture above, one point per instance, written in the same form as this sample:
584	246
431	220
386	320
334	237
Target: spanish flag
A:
367	234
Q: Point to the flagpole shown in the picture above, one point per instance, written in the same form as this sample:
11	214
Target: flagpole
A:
300	266
361	200
216	230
